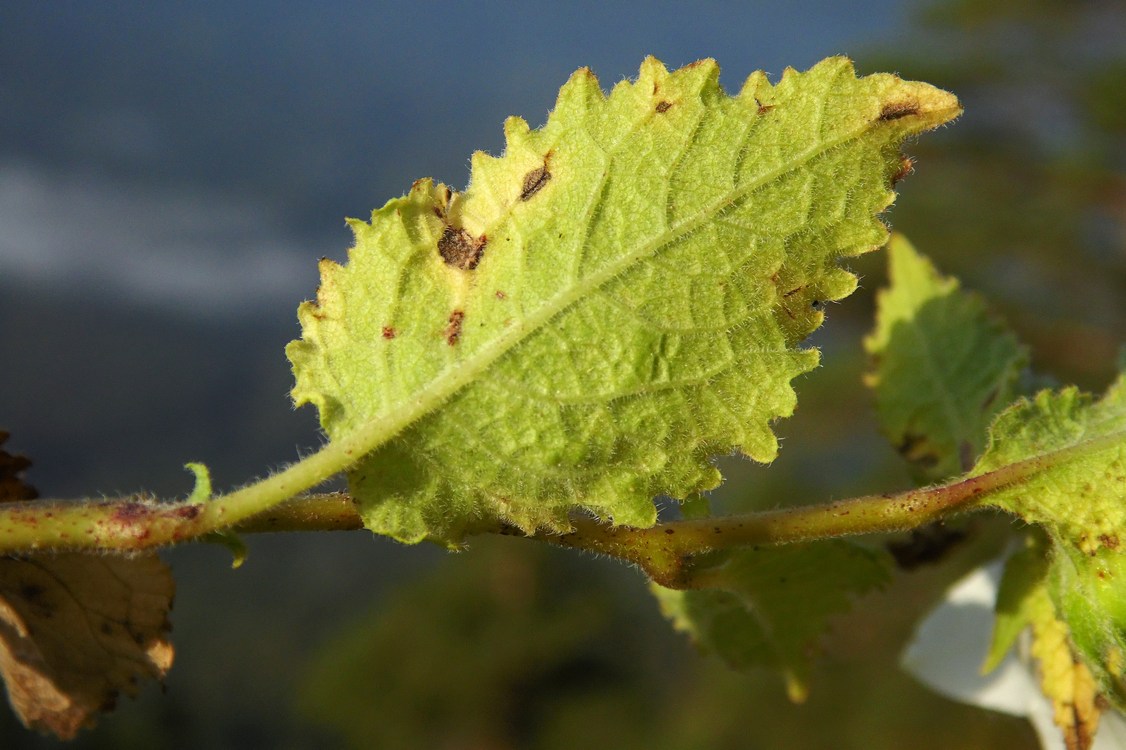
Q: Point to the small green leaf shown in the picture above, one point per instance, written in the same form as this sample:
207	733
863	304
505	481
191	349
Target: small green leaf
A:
943	366
1079	497
234	544
201	492
611	302
767	607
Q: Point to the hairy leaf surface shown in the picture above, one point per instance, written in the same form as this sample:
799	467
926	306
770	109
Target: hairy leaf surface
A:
943	367
767	607
611	302
1079	497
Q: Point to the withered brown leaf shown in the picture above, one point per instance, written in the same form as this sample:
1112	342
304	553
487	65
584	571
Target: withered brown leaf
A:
77	630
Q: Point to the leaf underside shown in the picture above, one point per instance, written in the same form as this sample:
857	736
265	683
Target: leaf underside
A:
617	298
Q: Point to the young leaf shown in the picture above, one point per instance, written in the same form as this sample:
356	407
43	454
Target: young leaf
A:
1079	497
767	607
943	366
611	302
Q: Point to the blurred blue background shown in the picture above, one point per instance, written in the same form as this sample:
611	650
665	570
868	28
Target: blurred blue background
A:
171	172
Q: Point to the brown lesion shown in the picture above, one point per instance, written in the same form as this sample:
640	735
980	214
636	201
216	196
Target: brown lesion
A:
535	180
453	327
460	249
663	106
389	332
897	110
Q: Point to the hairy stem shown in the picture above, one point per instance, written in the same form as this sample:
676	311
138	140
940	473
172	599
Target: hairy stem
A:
666	552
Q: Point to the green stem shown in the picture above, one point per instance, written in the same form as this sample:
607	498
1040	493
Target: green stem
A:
669	552
666	552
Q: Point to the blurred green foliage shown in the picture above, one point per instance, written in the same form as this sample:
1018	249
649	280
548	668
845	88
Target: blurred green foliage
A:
511	645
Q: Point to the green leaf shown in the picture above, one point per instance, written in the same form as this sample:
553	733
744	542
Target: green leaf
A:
767	607
610	303
1078	496
943	366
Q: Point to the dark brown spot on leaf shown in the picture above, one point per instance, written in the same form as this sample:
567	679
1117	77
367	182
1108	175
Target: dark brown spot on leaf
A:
1110	541
896	110
663	107
460	249
453	329
501	295
534	182
388	332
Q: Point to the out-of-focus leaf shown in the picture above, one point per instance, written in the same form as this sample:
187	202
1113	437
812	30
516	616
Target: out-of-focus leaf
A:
77	630
767	607
943	366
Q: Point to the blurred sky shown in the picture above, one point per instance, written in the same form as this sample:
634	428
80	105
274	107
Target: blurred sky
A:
199	156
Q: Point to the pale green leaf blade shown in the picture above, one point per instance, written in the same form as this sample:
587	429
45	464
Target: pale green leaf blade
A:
1079	497
610	303
943	366
768	607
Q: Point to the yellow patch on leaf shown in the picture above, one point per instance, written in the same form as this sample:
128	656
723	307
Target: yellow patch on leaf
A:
1064	678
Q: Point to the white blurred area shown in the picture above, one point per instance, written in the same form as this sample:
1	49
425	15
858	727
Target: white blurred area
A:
950	646
180	250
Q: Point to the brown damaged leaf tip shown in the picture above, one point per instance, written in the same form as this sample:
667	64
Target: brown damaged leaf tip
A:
12	486
906	167
460	249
